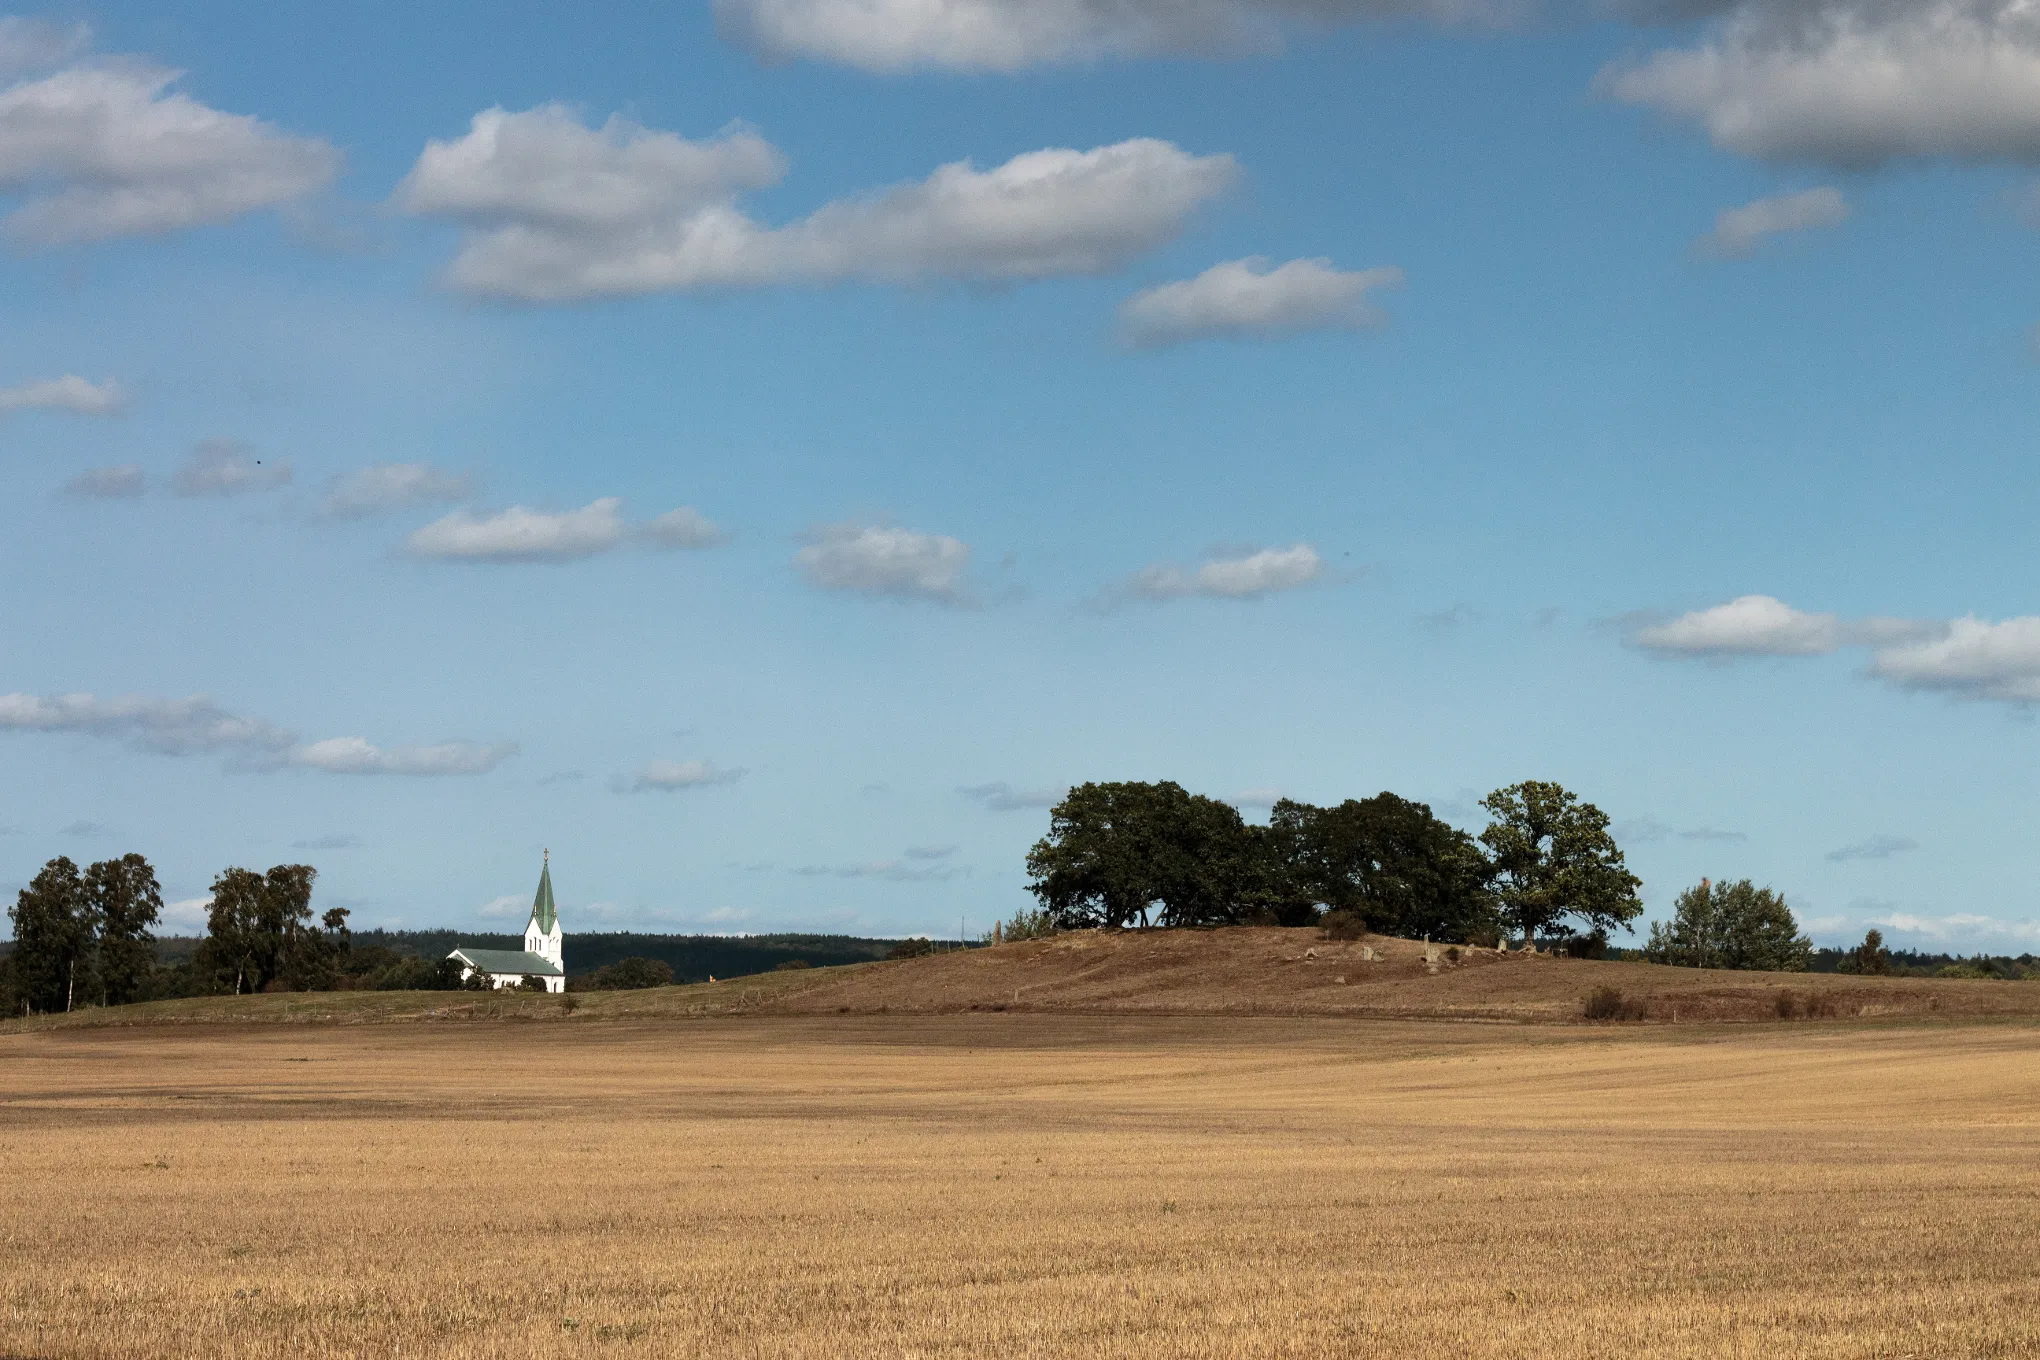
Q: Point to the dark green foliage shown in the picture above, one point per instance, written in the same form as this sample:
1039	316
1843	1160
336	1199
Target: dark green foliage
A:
1383	859
789	966
1145	854
1555	862
53	936
913	947
1868	957
1730	925
627	975
1343	925
260	935
125	902
1592	945
537	984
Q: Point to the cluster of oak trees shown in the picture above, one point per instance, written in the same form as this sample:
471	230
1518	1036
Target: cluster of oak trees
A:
1142	854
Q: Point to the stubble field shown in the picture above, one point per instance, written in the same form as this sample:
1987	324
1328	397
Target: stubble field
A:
1020	1185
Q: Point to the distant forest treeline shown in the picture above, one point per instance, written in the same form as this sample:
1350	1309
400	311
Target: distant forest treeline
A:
693	958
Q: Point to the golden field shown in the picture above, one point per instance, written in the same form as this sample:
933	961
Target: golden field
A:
977	1185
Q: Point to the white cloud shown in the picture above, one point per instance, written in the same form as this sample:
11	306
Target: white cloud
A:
123	482
1750	625
1247	299
1855	83
667	776
1006	35
1245	577
554	212
879	560
1972	659
166	726
1964	926
353	755
683	528
391	486
227	467
1003	797
521	535
70	393
186	916
108	149
1257	798
1738	231
510	904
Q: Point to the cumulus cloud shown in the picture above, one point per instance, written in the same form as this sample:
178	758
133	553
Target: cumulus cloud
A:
1247	576
79	396
682	528
107	149
391	486
188	726
1007	35
1877	847
1739	231
554	211
667	776
524	535
1245	299
123	482
227	467
355	755
1003	797
1966	658
1854	83
1750	625
1972	659
879	560
1955	926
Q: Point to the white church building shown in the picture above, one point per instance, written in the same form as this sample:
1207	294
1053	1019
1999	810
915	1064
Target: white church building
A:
541	956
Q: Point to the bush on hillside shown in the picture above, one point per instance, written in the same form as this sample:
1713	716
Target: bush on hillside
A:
1608	1003
789	965
1343	925
1730	925
627	975
914	947
1027	925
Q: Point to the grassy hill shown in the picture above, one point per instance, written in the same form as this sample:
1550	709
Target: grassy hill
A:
1252	971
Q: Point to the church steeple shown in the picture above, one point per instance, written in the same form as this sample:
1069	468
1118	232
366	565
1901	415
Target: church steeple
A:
543	914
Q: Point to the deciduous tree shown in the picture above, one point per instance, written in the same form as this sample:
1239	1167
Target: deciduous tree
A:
1730	925
1384	859
53	933
1126	854
1555	862
125	902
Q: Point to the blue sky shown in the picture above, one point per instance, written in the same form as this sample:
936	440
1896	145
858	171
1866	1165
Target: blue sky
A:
763	449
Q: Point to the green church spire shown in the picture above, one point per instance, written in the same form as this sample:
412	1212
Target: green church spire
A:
542	913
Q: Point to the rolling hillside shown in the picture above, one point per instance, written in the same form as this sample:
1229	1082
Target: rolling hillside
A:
1251	971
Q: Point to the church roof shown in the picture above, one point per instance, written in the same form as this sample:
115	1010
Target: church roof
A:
542	912
508	961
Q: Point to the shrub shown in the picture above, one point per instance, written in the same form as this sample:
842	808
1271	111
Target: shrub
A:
532	984
1870	957
1789	1006
789	965
1343	925
1452	954
1608	1003
630	975
1027	925
914	947
1594	946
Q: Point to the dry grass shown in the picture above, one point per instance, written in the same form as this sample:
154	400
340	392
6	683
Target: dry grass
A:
1258	972
1020	1185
